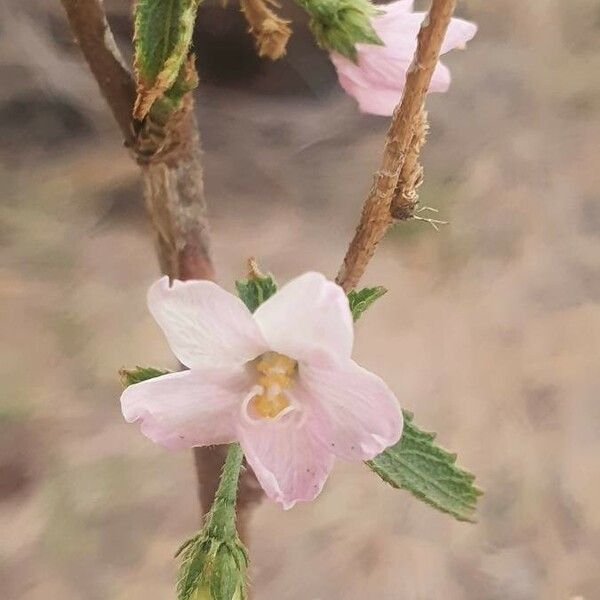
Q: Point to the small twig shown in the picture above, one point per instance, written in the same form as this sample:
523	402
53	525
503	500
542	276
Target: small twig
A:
376	216
270	31
94	36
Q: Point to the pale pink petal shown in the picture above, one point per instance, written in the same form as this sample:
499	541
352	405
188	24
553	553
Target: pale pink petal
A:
204	324
308	313
384	71
349	71
398	29
290	463
189	408
440	81
376	83
378	78
355	413
380	101
459	33
397	9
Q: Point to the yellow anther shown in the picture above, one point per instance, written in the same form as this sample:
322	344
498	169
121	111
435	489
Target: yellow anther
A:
272	362
279	379
269	407
276	374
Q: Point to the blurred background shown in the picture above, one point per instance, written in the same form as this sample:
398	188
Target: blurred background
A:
490	332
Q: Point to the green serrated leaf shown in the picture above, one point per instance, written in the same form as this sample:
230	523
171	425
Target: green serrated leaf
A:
162	36
131	376
429	472
362	299
255	290
164	106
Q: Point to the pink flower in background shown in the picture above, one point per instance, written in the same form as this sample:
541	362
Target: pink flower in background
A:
279	381
377	80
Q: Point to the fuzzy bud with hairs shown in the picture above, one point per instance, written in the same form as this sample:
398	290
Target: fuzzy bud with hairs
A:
212	569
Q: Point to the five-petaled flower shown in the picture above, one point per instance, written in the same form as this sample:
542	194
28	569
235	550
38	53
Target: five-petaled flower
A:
377	79
279	381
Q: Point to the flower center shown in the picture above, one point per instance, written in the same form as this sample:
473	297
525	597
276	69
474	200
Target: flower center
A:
276	374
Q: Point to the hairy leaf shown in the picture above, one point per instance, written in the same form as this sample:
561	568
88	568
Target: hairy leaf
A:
255	290
362	299
162	38
195	557
229	573
429	472
131	376
164	106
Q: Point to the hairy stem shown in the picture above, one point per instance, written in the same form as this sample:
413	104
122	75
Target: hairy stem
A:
405	197
170	157
221	518
377	216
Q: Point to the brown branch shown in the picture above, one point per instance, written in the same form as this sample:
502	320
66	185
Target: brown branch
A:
376	215
94	36
170	157
405	197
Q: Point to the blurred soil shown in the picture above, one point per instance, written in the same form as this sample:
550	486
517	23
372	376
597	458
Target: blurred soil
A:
490	331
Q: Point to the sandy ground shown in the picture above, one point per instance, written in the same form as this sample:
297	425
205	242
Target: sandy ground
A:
490	331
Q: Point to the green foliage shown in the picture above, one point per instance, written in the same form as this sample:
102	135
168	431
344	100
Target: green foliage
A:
362	299
338	25
170	101
255	290
162	36
131	376
429	472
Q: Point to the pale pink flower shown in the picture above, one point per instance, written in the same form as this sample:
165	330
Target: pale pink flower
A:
279	381
377	80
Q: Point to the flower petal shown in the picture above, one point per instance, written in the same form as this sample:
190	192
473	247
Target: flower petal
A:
358	416
189	408
398	8
440	80
204	324
374	101
308	313
398	28
290	463
377	80
459	33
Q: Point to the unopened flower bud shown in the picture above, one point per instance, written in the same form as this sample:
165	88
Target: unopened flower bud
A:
203	593
213	569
